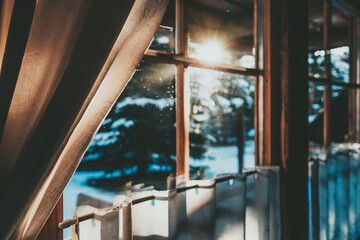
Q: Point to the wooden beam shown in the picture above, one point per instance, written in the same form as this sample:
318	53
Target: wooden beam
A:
327	81
158	56
355	72
352	92
294	124
182	124
286	108
51	230
182	104
258	41
272	83
327	72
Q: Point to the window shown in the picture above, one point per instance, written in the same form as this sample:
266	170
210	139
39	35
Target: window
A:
221	122
332	84
193	93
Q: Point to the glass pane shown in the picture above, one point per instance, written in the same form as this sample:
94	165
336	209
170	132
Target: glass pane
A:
316	60
222	31
339	114
135	147
316	100
340	65
164	39
316	55
340	44
221	122
340	62
316	112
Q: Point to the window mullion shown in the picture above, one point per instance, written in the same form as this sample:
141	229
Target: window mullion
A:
327	72
182	96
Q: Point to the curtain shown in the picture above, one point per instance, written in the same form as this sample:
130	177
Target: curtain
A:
202	209
335	194
62	66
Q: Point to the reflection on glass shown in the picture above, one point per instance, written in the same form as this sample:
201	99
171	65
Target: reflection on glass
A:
339	63
316	112
339	113
316	100
221	122
316	63
135	145
221	32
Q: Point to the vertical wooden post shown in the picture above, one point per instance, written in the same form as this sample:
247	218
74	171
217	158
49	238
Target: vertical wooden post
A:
240	137
356	72
294	123
351	92
50	230
327	72
354	97
286	108
127	221
182	96
314	205
258	95
272	83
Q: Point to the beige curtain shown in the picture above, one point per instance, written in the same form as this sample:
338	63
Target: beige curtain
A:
204	209
63	64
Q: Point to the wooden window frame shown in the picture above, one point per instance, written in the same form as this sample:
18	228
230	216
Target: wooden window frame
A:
352	86
182	82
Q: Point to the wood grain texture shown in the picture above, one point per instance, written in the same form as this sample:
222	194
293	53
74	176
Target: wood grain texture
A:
50	230
182	96
294	125
286	108
327	72
272	82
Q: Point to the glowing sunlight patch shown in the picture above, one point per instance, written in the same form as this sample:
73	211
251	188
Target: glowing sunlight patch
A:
211	51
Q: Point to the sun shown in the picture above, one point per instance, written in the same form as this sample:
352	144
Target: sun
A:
211	51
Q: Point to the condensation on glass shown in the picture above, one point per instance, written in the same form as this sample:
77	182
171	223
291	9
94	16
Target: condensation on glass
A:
221	32
135	147
221	122
137	139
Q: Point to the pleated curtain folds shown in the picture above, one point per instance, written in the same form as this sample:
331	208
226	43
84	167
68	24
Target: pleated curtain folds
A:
227	207
62	66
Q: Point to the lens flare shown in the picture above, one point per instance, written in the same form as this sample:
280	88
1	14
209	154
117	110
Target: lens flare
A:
211	51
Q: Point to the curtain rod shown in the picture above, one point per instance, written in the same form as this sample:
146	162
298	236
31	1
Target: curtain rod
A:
69	222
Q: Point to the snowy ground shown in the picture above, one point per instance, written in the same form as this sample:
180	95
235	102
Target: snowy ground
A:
223	160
